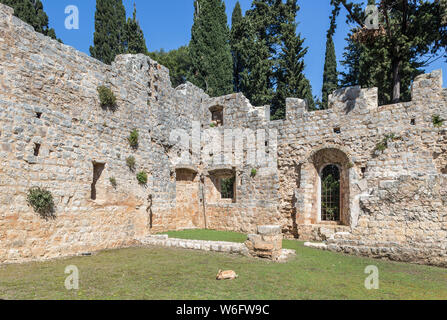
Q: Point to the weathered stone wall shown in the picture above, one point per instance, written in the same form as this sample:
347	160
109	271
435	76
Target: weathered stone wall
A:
49	97
396	206
393	201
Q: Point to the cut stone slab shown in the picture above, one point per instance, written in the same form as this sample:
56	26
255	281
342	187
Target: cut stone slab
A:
320	245
269	230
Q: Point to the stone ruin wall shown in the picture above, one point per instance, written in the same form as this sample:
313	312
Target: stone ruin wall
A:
393	201
396	199
48	96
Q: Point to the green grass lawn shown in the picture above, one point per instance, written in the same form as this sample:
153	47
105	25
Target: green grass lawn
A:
162	273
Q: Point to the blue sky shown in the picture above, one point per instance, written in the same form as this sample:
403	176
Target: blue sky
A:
167	24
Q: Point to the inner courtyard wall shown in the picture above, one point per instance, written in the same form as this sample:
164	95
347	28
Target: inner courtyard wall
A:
393	200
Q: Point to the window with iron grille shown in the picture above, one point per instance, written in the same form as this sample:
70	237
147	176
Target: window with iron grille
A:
330	193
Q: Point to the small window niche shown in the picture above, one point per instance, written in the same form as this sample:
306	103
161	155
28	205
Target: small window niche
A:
36	149
38	115
413	122
217	116
337	130
363	170
98	168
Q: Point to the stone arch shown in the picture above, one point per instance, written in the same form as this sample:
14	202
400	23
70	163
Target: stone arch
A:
310	155
321	159
308	195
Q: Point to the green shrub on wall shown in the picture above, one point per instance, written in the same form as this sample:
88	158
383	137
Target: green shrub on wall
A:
113	182
383	145
131	163
106	97
142	178
41	201
253	173
437	121
133	138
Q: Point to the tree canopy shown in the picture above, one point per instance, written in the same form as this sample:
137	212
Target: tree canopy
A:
211	60
32	12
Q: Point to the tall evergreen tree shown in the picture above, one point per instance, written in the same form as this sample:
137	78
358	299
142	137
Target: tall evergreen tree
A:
110	30
273	55
236	38
32	12
256	77
330	74
290	79
135	41
211	60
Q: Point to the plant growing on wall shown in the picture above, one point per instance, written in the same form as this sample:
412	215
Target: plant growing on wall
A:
142	178
106	97
253	173
383	145
133	138
41	201
131	163
437	121
113	182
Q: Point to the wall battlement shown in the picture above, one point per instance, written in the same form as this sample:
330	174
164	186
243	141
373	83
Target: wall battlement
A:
55	134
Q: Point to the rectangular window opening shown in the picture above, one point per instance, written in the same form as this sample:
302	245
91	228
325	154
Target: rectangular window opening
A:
98	168
36	149
227	188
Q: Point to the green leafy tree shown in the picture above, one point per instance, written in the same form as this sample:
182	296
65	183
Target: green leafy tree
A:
32	12
178	62
408	38
211	60
135	41
110	30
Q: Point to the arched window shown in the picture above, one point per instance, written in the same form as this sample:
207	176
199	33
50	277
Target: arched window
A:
330	193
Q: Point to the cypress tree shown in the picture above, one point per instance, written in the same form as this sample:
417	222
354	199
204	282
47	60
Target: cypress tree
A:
32	12
110	30
258	47
211	60
135	41
330	74
273	56
236	37
290	79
